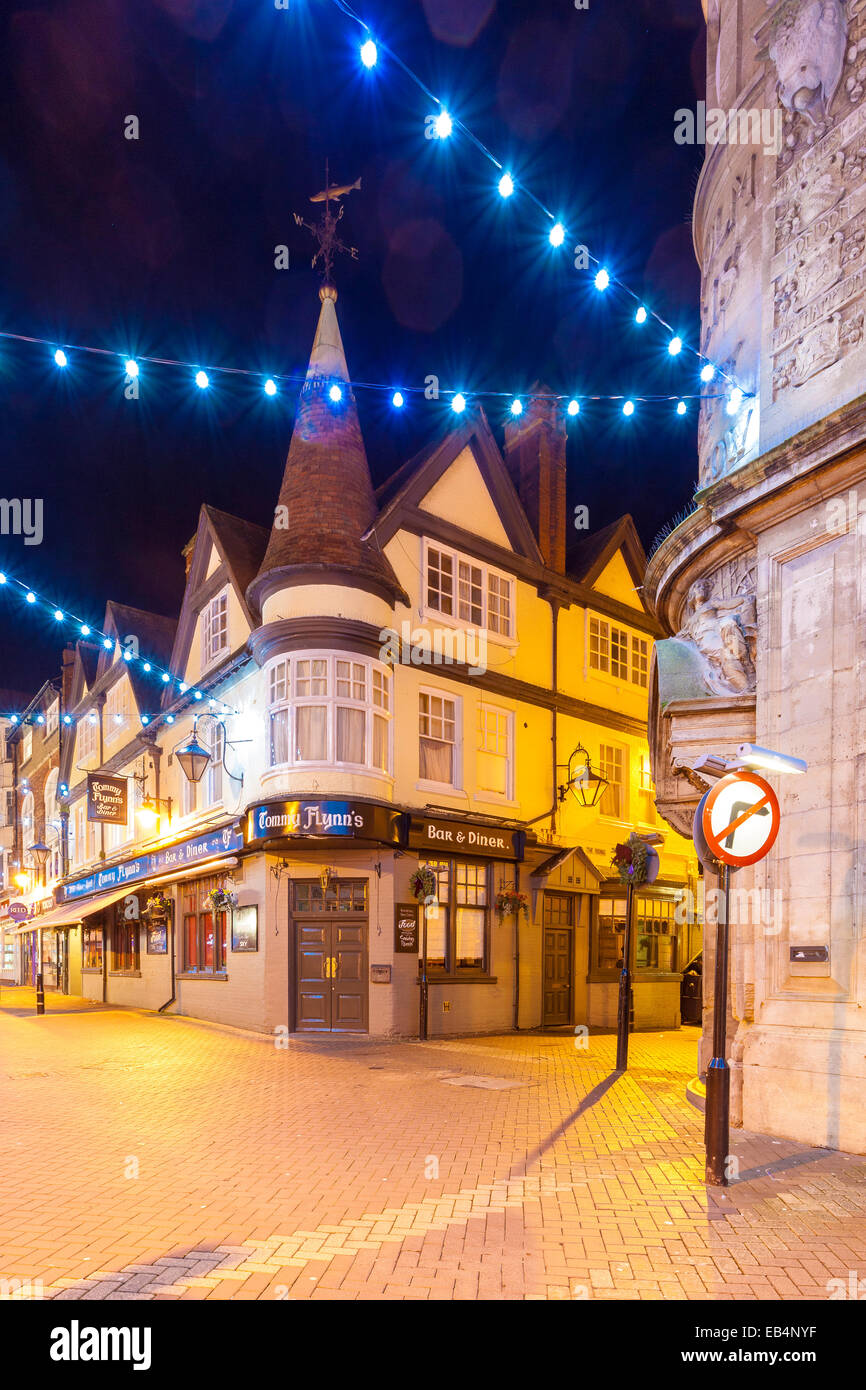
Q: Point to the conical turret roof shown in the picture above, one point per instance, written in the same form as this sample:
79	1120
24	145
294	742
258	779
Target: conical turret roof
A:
326	501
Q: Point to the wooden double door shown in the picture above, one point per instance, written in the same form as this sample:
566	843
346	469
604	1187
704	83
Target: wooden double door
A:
331	976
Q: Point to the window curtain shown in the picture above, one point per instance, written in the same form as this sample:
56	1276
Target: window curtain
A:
435	761
350	735
312	733
470	937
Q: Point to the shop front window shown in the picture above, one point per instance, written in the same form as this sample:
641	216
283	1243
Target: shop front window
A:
91	947
656	933
458	923
205	933
124	946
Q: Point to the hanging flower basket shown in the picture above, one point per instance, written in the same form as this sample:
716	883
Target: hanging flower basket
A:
632	860
423	885
511	903
218	900
157	905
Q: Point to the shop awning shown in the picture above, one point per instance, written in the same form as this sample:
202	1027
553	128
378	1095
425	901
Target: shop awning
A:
70	914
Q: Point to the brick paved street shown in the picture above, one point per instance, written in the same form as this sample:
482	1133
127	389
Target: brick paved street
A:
146	1157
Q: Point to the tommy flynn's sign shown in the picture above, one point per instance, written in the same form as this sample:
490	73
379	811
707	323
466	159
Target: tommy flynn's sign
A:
317	820
107	798
466	837
160	861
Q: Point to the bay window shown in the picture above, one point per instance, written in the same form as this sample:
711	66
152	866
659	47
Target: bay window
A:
329	709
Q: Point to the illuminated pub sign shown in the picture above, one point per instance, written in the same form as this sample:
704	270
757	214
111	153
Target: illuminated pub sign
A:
318	820
437	836
107	798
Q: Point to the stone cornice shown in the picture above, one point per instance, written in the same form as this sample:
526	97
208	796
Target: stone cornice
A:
821	459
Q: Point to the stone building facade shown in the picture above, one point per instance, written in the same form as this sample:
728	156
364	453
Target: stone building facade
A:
763	585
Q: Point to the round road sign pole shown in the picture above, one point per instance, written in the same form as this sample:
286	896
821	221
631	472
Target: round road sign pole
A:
623	1017
718	1104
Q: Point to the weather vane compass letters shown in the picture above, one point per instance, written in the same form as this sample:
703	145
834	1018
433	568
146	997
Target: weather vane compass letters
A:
325	231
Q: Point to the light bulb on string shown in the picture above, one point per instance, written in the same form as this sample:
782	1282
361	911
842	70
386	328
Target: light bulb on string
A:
85	630
628	408
735	400
31	597
602	279
369	54
708	371
130	366
335	394
681	407
202	381
640	316
557	234
517	406
458	405
443	125
397	400
60	358
675	346
270	387
58	615
573	407
506	186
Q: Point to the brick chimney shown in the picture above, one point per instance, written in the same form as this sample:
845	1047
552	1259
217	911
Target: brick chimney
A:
535	454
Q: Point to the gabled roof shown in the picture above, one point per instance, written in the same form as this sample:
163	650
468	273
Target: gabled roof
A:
240	545
402	494
588	556
155	636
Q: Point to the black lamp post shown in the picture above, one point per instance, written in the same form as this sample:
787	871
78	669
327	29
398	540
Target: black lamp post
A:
625	987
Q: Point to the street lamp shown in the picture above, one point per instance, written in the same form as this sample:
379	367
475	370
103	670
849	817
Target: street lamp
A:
585	786
149	813
193	758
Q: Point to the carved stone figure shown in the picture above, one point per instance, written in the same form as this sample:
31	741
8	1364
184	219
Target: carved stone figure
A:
725	632
808	50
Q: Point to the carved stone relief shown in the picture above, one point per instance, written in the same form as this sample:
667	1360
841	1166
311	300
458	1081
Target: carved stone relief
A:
818	276
723	626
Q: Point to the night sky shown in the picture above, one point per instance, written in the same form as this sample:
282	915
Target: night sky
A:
165	246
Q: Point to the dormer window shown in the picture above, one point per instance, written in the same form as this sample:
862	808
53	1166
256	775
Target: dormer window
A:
215	628
464	590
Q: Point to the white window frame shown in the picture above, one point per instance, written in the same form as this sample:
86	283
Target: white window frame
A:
603	764
26	746
52	717
453	619
484	793
88	735
606	634
284	670
117	703
209	614
456	784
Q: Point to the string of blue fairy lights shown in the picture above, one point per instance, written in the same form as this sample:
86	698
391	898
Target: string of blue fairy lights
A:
443	124
71	624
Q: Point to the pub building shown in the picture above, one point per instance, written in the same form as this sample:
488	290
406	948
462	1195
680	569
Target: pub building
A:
420	677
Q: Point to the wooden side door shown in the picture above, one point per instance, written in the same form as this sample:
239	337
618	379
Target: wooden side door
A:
557	959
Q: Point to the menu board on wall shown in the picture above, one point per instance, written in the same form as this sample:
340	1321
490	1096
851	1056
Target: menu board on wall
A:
406	929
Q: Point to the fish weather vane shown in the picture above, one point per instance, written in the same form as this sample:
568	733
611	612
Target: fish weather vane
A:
325	230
